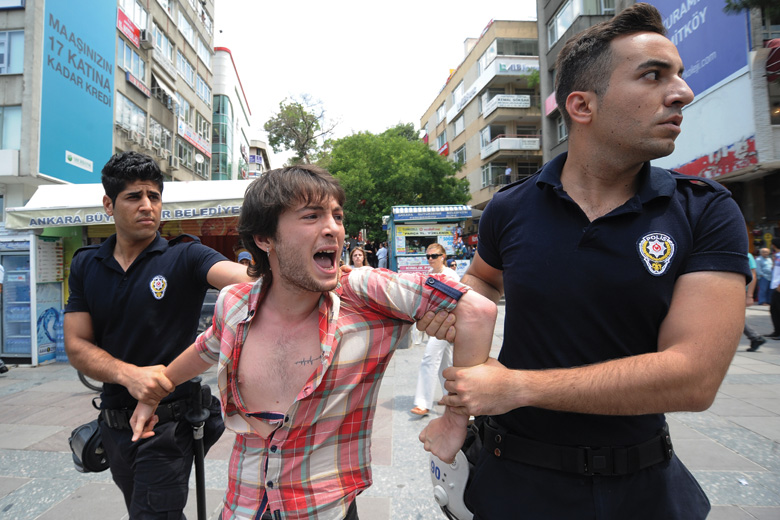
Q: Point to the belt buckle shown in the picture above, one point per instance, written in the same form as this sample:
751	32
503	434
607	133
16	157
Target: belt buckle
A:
598	461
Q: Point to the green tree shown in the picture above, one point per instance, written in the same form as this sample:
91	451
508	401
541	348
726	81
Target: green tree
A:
298	126
391	169
769	8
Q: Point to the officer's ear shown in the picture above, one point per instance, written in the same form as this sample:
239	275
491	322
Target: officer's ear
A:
108	205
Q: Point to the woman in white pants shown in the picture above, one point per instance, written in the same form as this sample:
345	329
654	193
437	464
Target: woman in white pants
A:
438	353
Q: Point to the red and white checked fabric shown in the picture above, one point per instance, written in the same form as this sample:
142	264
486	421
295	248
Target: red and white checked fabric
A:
318	459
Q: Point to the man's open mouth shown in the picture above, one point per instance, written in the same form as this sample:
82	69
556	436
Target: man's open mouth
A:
326	258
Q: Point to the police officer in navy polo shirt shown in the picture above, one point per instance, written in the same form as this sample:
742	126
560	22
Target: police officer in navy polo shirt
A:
624	287
134	306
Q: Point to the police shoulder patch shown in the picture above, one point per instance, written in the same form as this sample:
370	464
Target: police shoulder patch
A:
656	251
158	286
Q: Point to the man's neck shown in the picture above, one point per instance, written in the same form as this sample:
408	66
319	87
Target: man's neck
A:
599	182
290	305
126	250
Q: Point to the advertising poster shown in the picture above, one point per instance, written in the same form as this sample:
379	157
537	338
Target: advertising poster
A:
412	240
77	89
49	304
712	44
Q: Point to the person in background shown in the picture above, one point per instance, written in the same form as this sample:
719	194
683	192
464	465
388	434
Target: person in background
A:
756	339
381	256
134	305
245	258
764	266
357	258
774	290
438	352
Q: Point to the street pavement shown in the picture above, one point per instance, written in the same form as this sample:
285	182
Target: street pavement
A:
733	449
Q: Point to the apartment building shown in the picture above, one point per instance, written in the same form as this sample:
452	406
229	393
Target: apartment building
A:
731	131
258	158
81	80
487	115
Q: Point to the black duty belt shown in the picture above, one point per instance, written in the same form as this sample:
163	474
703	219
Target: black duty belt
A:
617	460
120	419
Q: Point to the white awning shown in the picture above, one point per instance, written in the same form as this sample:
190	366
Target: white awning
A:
64	205
168	90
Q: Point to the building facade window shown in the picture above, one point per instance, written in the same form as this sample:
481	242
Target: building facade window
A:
163	43
457	94
459	126
441	114
493	174
185	68
184	110
129	115
441	140
202	127
204	53
128	59
562	20
203	90
517	47
135	12
167	5
222	139
185	152
11	52
203	168
560	124
161	137
185	27
11	127
459	156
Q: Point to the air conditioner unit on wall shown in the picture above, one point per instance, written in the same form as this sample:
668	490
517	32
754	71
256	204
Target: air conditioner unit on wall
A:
147	143
138	138
146	39
173	162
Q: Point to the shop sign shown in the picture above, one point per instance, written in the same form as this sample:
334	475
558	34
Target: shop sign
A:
128	28
723	161
189	135
137	83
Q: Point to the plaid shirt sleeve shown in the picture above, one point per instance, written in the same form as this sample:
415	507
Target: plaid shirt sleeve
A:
403	296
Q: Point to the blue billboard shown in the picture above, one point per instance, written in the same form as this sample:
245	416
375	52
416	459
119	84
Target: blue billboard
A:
77	89
712	44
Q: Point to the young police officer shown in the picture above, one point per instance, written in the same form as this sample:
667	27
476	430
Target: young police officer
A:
134	306
652	268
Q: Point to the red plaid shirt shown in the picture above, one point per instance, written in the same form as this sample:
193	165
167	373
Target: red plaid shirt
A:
319	458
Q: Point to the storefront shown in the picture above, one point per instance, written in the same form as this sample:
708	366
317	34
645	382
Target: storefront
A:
412	229
40	239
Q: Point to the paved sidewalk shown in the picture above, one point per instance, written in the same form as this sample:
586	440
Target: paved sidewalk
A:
733	449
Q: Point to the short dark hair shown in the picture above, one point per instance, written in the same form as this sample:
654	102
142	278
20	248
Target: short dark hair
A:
585	62
275	192
127	167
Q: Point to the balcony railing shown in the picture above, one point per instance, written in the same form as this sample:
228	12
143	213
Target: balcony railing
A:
510	101
511	143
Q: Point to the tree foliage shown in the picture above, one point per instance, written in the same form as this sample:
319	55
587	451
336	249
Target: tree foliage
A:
298	126
770	8
391	169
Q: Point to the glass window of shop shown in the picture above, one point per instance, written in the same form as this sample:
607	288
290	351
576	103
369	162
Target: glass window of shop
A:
11	52
129	115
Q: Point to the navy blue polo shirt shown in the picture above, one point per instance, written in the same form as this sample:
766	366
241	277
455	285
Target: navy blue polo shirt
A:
147	315
580	292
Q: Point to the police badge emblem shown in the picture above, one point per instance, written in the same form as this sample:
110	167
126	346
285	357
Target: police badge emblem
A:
656	251
158	286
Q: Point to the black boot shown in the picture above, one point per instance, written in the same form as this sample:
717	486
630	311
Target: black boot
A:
3	368
755	343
